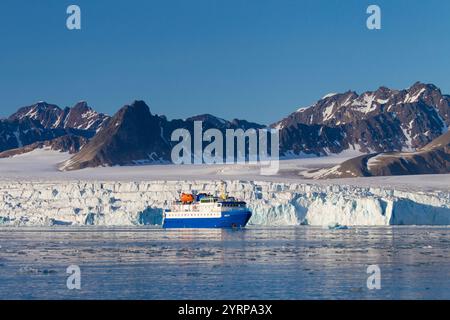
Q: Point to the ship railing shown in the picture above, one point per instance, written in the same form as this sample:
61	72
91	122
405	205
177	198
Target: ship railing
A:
227	203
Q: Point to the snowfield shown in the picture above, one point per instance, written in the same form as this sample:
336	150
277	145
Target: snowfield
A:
33	192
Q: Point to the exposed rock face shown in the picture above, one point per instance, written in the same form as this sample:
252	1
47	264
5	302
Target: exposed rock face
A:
83	117
431	159
68	143
378	121
131	136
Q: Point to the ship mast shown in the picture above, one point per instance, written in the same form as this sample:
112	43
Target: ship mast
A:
223	194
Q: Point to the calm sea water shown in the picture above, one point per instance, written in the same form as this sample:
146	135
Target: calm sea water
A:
256	263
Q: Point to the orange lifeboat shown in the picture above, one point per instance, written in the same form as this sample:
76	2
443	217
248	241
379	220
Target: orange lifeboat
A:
187	198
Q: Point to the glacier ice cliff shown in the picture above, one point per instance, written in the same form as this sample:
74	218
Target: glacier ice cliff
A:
273	204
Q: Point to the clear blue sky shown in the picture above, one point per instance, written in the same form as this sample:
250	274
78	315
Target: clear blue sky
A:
252	59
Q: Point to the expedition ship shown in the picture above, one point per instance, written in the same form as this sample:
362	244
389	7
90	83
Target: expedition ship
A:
206	211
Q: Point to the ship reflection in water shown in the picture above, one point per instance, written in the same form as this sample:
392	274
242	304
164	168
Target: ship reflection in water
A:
254	263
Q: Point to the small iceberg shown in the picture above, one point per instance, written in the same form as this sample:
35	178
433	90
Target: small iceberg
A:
337	226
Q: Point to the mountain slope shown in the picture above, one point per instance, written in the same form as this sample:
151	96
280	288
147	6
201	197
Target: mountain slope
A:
22	132
68	143
434	158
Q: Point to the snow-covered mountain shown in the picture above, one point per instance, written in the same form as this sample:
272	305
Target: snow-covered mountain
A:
374	121
385	120
50	116
41	122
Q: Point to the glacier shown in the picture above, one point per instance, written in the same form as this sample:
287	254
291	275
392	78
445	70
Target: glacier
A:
128	203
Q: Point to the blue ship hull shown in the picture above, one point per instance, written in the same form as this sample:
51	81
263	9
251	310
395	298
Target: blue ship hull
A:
230	219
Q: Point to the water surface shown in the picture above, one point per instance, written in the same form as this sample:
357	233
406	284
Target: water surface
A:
256	263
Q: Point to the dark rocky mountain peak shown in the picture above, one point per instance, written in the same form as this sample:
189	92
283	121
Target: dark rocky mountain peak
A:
47	114
81	116
131	136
